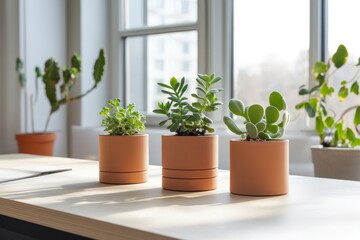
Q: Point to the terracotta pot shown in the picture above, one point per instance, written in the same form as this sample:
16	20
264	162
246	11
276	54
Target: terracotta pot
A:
259	168
36	143
189	162
338	163
123	159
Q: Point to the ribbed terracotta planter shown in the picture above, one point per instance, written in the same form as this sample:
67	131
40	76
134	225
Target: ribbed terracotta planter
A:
36	143
123	159
338	163
259	168
189	162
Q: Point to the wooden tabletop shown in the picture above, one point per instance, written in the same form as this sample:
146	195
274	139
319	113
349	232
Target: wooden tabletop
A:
74	201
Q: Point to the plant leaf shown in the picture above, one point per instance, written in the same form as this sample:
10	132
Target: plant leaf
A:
310	110
272	114
98	66
255	113
339	58
357	116
319	125
343	93
319	71
277	100
261	126
326	90
329	122
264	136
231	125
237	107
355	88
273	128
251	130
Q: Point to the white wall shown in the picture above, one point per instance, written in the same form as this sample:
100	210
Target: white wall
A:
45	36
36	30
10	107
88	28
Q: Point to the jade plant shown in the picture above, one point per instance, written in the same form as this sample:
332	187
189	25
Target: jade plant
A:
260	124
185	118
51	77
121	121
329	124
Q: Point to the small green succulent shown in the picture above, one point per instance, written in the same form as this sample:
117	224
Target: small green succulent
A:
260	123
189	119
122	121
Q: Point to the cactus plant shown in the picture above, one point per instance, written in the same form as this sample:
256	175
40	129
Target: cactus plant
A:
330	125
189	119
260	123
122	121
51	78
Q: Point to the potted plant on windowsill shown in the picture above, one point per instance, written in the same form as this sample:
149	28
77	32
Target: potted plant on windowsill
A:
338	156
41	143
190	157
123	152
259	161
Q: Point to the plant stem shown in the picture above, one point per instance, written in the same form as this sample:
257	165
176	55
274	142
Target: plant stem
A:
332	73
47	121
26	109
64	100
32	113
355	75
346	111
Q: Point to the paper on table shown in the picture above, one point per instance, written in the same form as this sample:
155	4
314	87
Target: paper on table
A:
10	174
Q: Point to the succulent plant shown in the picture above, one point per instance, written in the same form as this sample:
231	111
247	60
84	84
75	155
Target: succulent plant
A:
122	121
260	124
189	119
330	125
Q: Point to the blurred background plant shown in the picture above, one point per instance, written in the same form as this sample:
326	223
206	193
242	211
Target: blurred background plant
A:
330	125
51	77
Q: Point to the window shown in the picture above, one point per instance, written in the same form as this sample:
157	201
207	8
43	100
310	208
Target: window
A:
154	36
274	46
341	26
271	46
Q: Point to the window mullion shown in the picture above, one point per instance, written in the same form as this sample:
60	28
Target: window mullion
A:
317	36
157	30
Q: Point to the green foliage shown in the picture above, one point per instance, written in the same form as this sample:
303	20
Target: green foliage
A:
329	125
51	77
259	124
122	121
185	118
20	72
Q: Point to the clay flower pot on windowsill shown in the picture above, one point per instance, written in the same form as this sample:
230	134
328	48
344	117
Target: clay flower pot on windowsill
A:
259	168
189	162
259	162
36	143
123	159
124	153
190	157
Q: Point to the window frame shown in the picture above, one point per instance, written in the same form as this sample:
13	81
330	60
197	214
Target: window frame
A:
215	45
210	13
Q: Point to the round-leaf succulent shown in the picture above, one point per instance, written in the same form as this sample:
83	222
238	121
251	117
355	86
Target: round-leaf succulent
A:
259	124
122	121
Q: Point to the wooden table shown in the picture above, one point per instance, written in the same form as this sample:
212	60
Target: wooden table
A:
74	201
